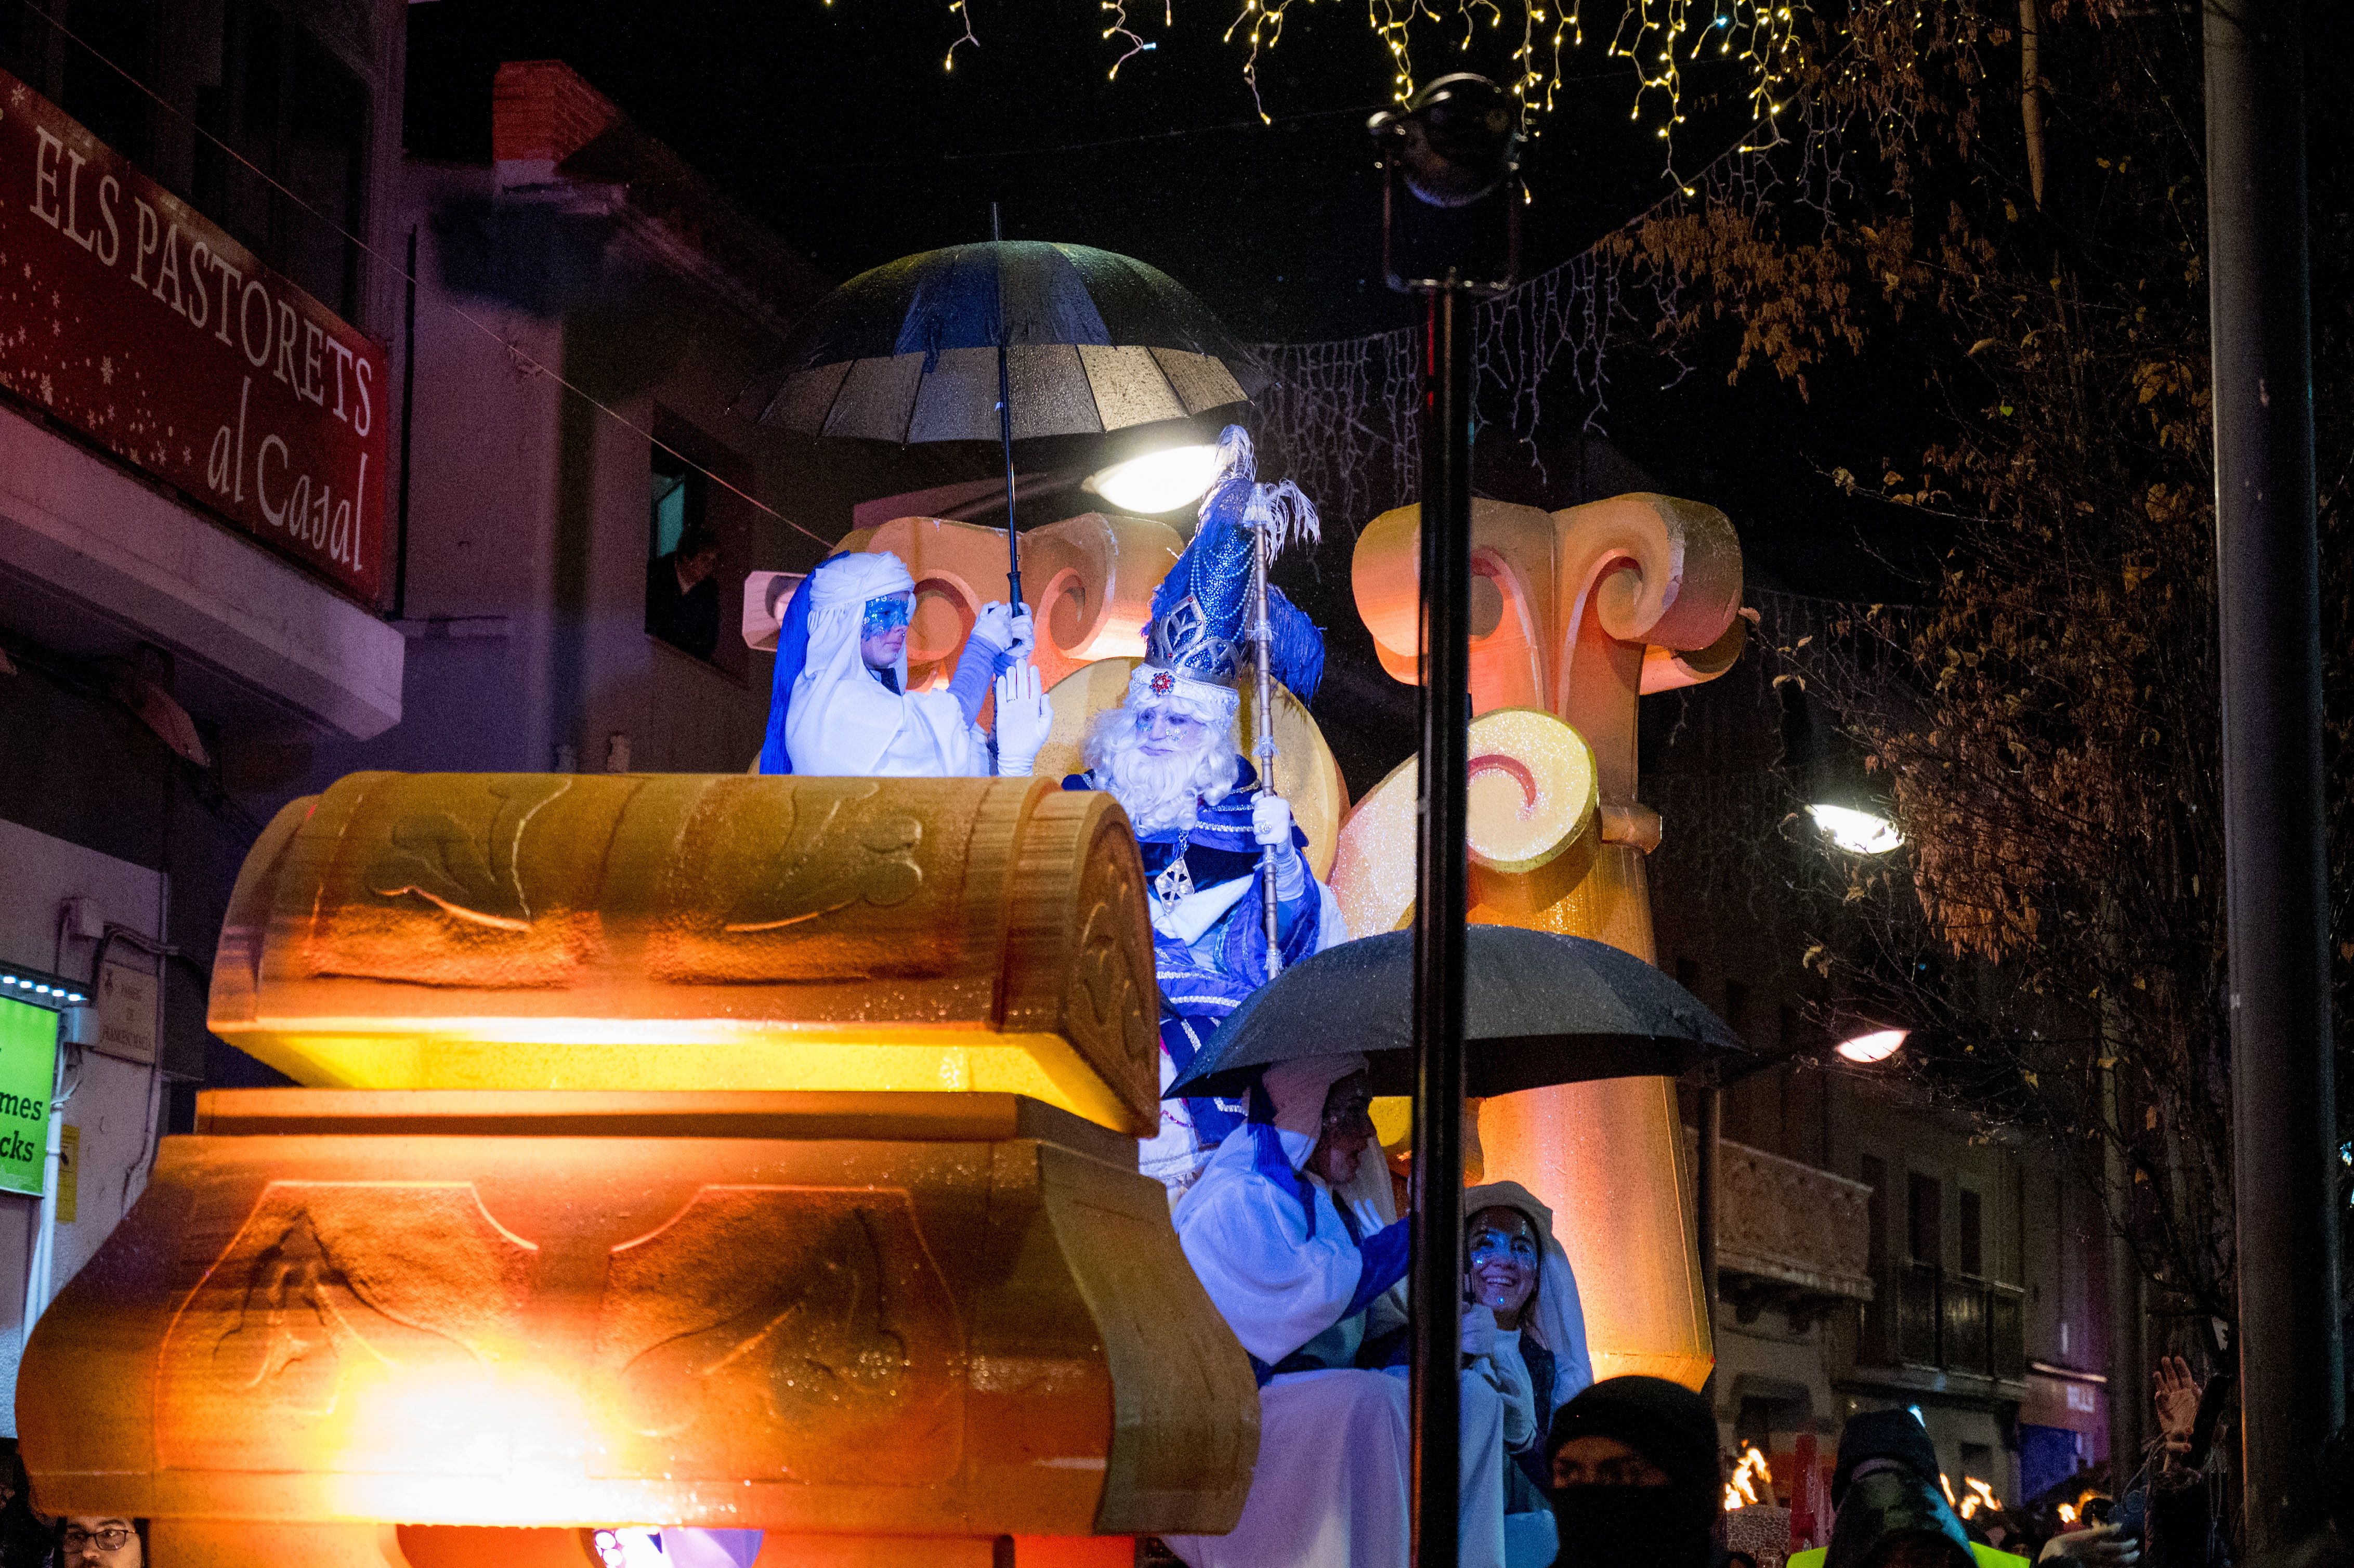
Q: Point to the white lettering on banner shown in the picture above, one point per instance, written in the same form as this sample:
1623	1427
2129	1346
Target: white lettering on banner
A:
44	175
107	366
73	199
109	192
230	278
150	235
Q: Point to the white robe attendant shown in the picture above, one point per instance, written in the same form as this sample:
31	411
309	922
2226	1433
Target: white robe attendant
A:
1330	1489
1555	1320
845	722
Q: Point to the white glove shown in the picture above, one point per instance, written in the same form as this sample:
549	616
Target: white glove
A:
1479	1330
994	626
1023	718
1510	1375
1008	633
1271	824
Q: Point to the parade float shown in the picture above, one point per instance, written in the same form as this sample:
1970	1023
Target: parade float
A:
758	1153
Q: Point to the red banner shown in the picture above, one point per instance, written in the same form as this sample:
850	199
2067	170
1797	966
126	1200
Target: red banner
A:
130	317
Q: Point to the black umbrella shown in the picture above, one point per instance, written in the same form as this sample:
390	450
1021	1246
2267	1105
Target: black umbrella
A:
1539	1009
1011	339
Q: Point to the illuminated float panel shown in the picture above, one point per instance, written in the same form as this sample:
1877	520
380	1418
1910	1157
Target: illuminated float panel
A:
687	931
637	1211
1574	615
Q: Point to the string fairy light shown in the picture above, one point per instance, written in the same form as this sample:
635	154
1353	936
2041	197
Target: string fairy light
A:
962	12
1138	43
1651	37
1660	38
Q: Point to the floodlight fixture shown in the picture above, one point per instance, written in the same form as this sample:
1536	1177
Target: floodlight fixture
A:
1158	482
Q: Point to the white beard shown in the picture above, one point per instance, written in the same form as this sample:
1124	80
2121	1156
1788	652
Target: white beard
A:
1161	794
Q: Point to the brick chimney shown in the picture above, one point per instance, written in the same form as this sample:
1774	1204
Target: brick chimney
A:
541	113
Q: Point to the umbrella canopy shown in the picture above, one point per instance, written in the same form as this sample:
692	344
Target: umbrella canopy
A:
1539	1009
1094	342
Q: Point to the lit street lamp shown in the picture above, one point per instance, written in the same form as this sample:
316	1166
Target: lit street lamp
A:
1856	830
1875	1045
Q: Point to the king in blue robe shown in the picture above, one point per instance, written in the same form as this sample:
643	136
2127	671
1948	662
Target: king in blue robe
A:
1209	832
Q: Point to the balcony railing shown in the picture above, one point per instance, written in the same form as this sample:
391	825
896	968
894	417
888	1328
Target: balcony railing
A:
1789	1237
1951	1323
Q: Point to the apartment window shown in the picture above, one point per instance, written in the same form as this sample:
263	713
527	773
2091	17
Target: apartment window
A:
681	559
1874	1173
116	111
288	106
1924	1218
77	76
1973	1238
1736	1008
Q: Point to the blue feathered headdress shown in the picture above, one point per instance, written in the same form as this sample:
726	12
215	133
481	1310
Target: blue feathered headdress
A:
1202	612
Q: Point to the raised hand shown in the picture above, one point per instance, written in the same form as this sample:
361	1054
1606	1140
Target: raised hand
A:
2103	1545
2176	1394
1023	718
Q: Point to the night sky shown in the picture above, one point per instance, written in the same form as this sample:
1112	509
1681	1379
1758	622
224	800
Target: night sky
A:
835	124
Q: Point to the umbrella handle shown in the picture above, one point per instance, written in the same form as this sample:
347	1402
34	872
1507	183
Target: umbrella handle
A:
1005	426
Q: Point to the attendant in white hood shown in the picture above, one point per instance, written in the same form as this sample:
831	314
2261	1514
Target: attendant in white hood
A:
839	703
1294	1233
1517	1270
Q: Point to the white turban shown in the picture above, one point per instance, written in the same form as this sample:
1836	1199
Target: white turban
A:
1297	1089
842	720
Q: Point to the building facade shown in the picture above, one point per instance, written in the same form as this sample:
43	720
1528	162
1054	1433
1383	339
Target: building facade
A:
197	411
1877	1248
314	457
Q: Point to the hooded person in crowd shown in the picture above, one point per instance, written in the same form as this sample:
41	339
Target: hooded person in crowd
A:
1635	1477
1515	1268
1292	1230
840	704
1889	1511
1202	818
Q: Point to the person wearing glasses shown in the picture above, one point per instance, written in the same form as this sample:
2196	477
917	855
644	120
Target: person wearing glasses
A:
90	1542
1294	1233
840	704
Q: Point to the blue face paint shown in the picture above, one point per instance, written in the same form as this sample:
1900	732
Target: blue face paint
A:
886	613
1491	1245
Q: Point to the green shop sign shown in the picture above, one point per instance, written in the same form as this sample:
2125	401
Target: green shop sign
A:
28	1067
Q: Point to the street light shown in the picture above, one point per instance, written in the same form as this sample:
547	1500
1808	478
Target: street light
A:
1856	830
1157	481
1876	1045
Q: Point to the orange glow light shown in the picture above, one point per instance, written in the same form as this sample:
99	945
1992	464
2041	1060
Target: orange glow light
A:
1742	1491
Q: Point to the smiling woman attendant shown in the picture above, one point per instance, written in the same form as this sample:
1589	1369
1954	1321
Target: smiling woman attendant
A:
1514	1267
840	704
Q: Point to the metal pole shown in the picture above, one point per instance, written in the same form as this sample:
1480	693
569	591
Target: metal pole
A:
1005	421
2291	1368
1441	896
1263	726
1706	1169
